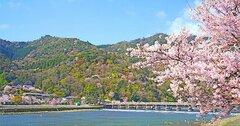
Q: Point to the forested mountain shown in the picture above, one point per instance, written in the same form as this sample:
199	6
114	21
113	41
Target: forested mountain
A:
69	66
121	47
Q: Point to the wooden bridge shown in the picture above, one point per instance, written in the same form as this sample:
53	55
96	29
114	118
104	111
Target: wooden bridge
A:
167	106
161	106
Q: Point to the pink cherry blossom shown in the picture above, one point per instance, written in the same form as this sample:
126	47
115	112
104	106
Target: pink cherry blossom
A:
7	89
5	99
53	102
204	71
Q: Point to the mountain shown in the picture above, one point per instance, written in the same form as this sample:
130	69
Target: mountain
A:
5	48
4	63
13	50
50	51
121	47
69	66
48	46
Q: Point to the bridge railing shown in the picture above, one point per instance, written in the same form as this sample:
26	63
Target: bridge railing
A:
150	103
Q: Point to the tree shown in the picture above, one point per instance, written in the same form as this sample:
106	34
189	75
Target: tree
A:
3	80
5	99
16	99
53	102
204	70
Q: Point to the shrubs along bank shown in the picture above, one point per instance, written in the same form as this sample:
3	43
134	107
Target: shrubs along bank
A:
9	109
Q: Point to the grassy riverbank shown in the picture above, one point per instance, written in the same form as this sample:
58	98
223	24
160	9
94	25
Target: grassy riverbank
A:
21	109
231	121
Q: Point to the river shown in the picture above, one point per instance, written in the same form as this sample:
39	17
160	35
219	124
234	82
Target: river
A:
101	118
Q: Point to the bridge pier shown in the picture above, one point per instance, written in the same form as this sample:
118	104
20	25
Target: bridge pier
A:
190	109
168	108
178	108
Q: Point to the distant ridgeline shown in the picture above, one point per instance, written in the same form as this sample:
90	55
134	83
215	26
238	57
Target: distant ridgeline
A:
72	67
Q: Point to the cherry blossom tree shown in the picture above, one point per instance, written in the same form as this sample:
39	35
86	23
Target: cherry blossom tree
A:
111	94
30	100
7	89
27	99
203	70
5	99
53	102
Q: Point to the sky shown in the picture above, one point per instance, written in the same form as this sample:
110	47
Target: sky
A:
96	21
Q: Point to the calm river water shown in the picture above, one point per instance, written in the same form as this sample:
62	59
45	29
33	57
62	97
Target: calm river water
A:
100	118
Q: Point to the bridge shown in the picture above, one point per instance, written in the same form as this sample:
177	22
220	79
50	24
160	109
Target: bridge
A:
161	106
167	106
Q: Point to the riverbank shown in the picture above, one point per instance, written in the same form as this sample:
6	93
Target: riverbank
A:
231	121
22	109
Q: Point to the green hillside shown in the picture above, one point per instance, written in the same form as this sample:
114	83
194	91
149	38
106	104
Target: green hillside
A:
121	47
71	67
